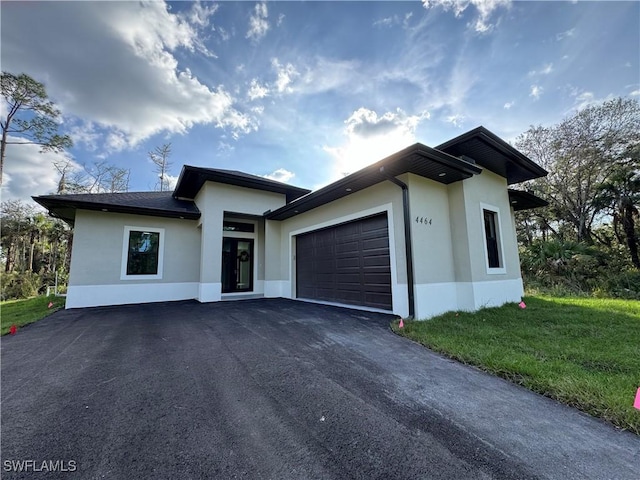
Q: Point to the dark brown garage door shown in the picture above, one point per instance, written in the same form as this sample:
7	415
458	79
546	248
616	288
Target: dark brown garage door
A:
348	263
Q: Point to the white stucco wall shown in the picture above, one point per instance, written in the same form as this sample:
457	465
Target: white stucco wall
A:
476	285
434	273
96	261
449	254
215	200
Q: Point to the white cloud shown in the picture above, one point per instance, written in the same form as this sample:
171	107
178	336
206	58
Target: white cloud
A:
635	93
258	110
280	175
85	134
536	91
151	30
200	14
456	120
116	141
224	34
280	19
566	34
170	180
485	9
394	20
584	99
258	24
28	172
371	137
285	76
256	90
123	78
225	148
386	22
508	105
328	74
545	70
366	123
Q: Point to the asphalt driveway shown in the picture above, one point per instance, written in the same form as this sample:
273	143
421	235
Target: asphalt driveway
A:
275	389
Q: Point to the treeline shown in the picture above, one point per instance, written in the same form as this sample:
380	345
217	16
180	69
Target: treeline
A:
586	240
34	247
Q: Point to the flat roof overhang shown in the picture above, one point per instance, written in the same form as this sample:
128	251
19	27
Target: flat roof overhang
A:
521	200
65	206
193	178
493	153
418	159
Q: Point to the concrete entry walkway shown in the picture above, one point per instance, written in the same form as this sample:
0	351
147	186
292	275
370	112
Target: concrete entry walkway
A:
278	389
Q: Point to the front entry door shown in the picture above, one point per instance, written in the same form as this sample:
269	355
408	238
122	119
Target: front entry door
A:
237	265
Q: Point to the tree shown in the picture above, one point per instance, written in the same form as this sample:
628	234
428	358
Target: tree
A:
15	223
581	153
99	178
35	248
30	116
621	196
160	158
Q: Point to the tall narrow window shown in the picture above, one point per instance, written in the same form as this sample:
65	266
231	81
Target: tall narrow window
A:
492	238
142	253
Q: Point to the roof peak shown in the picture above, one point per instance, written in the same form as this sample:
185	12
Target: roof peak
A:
192	178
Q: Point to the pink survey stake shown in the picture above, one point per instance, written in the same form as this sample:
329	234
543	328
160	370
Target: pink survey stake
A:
636	404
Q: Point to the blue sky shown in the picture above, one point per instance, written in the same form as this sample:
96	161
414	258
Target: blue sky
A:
305	92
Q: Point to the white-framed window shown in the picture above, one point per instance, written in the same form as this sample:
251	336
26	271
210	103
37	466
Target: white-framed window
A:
142	253
492	236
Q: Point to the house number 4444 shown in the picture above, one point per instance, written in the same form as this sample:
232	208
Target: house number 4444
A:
424	220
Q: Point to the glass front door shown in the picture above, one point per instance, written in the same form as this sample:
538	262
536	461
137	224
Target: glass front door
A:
237	265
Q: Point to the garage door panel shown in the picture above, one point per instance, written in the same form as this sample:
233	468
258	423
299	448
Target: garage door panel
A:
375	244
377	261
373	258
376	279
378	301
353	278
378	222
350	247
378	290
348	264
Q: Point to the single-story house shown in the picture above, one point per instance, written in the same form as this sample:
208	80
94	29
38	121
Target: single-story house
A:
423	231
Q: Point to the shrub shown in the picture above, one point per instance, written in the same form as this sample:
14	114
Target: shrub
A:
20	285
563	268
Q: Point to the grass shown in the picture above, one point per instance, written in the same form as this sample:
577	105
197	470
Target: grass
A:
584	352
23	312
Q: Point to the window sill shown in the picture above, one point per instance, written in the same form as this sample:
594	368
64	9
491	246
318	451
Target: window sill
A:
496	271
141	277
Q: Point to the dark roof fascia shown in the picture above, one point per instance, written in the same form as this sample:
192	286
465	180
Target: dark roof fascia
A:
395	164
522	200
192	179
491	139
55	203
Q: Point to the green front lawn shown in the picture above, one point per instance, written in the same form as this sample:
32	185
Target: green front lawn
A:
23	312
581	351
